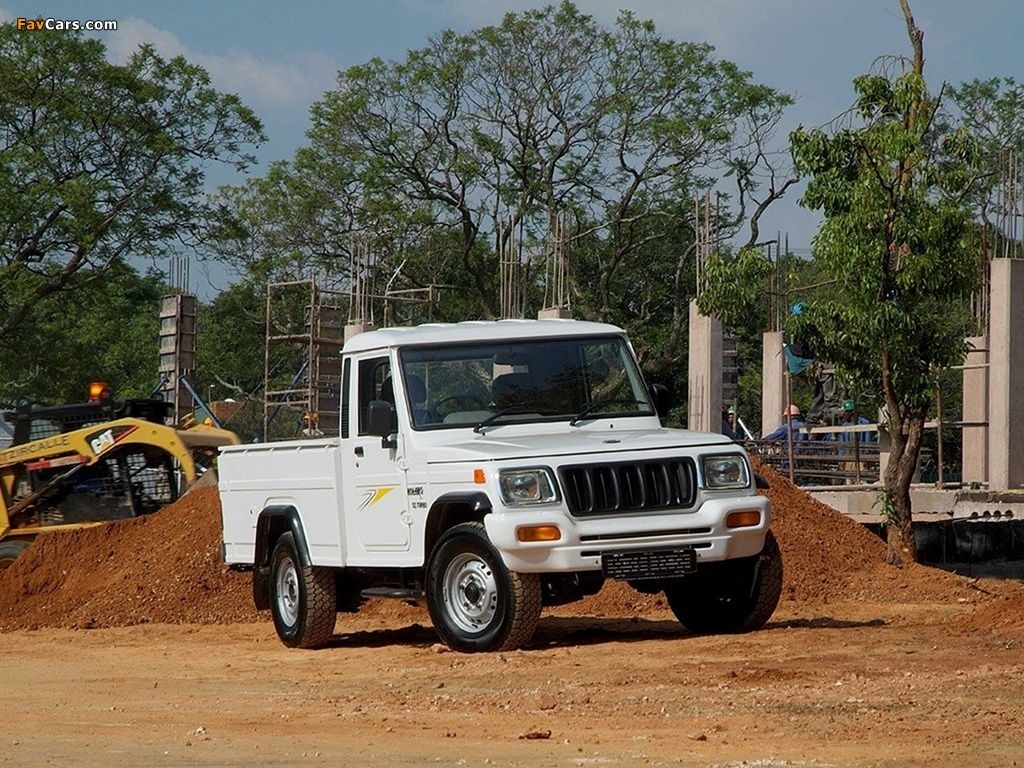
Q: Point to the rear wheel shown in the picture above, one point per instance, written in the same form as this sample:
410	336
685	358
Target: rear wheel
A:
302	599
9	551
733	597
475	602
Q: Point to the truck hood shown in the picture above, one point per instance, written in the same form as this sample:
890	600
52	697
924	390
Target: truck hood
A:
494	447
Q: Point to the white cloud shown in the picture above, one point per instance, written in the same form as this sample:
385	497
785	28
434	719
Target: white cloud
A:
256	79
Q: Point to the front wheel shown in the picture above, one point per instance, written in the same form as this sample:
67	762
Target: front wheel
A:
730	597
475	602
303	600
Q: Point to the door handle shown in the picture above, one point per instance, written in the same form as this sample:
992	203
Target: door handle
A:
359	450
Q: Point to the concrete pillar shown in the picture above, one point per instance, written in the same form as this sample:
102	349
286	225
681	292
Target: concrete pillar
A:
884	451
1006	361
704	402
773	381
354	329
178	352
975	410
554	313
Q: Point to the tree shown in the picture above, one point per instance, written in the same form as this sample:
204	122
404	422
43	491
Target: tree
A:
897	239
99	162
476	144
96	330
992	113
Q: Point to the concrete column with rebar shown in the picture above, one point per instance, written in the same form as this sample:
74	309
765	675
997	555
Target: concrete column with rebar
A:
1006	359
704	404
975	412
773	381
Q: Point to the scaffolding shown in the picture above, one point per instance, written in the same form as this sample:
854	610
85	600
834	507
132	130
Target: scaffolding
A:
306	328
302	367
510	270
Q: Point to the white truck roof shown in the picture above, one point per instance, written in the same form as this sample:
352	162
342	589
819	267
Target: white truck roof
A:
438	334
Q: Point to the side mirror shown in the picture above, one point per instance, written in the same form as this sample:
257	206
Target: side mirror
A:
662	399
382	421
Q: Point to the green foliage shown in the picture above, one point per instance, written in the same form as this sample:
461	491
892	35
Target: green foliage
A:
231	332
984	129
897	240
97	330
100	161
475	144
734	287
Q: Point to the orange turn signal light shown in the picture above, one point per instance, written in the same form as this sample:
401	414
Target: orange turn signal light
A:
479	476
538	533
744	518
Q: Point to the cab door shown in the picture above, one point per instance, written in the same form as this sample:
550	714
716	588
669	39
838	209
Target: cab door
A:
375	486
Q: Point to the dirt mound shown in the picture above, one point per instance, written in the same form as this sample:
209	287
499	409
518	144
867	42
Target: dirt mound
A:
163	568
167	568
1002	612
829	557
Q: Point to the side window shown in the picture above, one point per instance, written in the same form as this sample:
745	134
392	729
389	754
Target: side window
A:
374	383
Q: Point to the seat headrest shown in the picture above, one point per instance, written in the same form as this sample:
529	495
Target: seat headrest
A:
511	389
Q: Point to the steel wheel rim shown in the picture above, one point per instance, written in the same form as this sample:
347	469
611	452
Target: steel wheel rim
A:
470	593
287	592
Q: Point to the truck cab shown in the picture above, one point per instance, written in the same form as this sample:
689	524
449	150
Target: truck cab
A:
491	468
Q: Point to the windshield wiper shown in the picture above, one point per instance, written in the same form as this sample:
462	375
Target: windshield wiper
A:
601	404
510	409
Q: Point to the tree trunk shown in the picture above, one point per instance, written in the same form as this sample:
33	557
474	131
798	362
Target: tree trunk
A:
899	474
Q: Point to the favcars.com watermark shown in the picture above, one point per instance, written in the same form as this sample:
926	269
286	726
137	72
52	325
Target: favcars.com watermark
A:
37	25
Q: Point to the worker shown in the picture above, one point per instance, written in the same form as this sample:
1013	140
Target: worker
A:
791	422
729	426
850	418
850	443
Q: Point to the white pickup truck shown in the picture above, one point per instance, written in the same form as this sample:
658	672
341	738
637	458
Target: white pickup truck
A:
493	468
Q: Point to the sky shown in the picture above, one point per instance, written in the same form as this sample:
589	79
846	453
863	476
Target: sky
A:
280	57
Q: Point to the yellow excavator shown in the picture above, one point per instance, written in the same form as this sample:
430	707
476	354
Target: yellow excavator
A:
85	463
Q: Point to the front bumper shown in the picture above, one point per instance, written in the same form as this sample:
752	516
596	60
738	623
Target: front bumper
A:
584	541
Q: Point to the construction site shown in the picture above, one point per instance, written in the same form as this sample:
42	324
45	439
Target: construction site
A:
137	645
149	650
500	427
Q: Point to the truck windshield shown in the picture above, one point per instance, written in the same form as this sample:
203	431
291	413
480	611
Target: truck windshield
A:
571	379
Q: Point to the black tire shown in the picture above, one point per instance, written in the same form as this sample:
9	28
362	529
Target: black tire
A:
302	599
9	551
475	602
730	598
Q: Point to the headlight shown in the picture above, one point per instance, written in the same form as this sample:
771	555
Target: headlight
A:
725	471
527	486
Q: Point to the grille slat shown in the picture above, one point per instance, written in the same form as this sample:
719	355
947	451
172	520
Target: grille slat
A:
599	489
